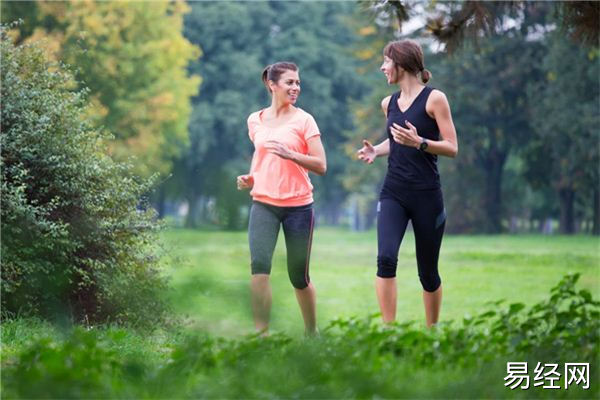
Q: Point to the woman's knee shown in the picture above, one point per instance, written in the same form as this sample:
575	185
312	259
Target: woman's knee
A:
430	282
386	266
299	279
260	267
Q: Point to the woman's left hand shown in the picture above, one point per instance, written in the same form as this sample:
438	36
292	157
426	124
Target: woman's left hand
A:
406	137
279	149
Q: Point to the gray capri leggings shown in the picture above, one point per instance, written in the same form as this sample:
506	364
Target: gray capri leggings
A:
263	230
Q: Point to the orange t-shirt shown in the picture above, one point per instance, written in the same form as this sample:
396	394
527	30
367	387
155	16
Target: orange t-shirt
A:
278	181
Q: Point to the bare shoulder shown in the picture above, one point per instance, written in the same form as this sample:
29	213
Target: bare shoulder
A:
437	96
384	104
437	99
437	103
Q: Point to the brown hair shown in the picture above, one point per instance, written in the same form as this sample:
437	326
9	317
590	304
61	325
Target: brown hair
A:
274	71
408	55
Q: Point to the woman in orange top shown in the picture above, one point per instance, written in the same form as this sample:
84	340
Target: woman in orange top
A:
287	145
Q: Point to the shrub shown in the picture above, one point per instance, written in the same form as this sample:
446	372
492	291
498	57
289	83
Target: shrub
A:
354	358
76	240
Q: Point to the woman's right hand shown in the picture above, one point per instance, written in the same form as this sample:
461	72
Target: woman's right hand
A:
245	182
367	153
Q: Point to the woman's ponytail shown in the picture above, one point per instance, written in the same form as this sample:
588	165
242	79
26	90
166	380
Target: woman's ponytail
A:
265	77
425	75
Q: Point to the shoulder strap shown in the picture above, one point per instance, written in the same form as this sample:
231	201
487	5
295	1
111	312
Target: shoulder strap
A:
427	91
393	102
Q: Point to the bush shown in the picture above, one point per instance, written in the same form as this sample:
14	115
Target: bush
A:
75	240
354	358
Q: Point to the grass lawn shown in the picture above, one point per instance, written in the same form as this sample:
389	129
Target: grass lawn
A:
210	277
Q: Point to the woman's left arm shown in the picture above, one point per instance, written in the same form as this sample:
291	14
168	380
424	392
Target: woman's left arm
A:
315	161
438	107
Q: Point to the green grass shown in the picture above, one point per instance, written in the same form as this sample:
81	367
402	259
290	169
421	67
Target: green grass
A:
209	292
211	279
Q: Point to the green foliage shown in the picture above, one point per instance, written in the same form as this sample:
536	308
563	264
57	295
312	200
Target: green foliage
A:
568	320
133	58
454	23
76	241
319	38
219	148
563	154
354	358
490	107
516	145
235	51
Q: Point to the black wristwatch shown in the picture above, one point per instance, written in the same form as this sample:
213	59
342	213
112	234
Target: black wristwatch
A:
423	144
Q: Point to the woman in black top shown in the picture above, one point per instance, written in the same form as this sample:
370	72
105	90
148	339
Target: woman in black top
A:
419	128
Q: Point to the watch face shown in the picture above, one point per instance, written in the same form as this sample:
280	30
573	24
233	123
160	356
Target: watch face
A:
423	145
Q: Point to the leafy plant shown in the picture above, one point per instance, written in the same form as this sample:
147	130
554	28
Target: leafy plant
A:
354	358
77	242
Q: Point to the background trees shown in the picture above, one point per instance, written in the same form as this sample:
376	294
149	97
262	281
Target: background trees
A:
563	153
517	168
502	83
314	36
133	58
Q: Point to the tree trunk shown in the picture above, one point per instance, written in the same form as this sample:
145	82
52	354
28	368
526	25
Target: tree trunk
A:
202	209
336	216
371	214
596	221
191	219
161	201
567	218
331	214
355	215
493	194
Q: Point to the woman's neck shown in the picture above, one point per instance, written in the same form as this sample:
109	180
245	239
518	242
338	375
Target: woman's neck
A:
410	85
279	108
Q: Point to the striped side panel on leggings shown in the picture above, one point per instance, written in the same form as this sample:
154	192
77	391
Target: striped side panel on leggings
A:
312	224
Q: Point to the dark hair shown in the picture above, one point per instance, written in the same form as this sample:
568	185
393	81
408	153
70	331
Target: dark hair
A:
408	55
274	71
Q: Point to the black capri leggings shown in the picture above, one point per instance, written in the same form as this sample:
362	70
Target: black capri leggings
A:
425	209
263	230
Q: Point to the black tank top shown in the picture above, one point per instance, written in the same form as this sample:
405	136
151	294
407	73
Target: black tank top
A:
408	167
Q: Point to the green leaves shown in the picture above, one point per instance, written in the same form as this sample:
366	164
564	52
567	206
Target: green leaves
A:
134	60
74	245
354	357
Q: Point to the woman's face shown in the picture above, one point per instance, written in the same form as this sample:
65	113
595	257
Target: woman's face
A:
389	70
287	88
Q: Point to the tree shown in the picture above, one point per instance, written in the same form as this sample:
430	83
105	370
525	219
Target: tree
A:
490	106
318	37
361	181
563	153
133	58
454	23
314	36
76	242
219	148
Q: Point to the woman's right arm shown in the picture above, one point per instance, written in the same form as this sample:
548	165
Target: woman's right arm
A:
383	148
369	153
247	181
